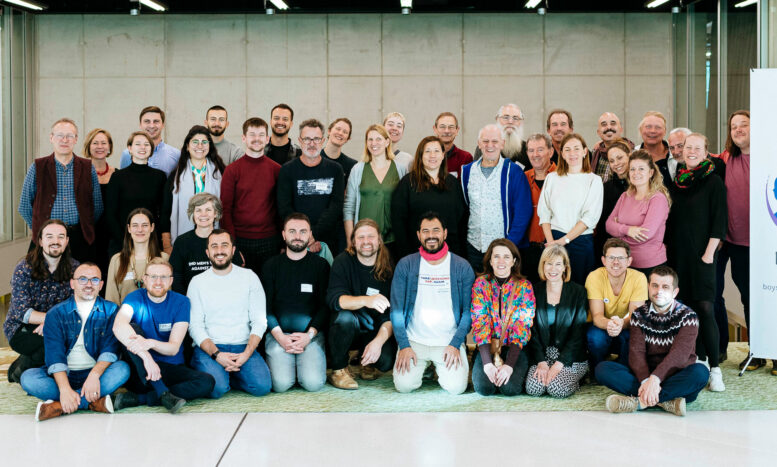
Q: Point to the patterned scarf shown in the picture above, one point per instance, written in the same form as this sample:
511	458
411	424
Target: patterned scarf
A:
199	178
687	177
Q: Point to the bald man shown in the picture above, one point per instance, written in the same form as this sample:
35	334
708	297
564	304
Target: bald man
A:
609	129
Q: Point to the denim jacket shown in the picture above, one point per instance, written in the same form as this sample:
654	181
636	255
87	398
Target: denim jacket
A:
63	325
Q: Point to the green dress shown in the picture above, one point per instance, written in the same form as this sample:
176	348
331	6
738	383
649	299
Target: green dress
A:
376	198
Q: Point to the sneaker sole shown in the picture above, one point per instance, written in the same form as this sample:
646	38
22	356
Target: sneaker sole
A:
109	404
38	407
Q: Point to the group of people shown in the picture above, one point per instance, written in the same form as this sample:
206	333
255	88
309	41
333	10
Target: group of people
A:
186	273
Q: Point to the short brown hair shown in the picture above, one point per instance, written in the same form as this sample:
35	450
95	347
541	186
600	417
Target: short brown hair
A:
201	198
344	120
65	120
90	137
143	134
311	123
296	216
541	137
561	111
255	122
616	243
563	168
664	271
446	114
152	109
515	269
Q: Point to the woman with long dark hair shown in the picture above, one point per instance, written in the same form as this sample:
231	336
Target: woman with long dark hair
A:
199	170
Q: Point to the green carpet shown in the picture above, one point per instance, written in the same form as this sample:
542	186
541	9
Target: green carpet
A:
754	391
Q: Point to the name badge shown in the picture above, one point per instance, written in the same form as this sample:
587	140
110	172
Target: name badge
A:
371	291
165	327
130	276
606	300
308	288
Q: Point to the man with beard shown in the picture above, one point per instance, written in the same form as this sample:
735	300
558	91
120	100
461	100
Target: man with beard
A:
662	366
165	157
82	364
314	186
39	281
485	181
338	134
559	125
676	141
217	123
395	126
609	129
359	287
281	149
152	323
446	127
430	311
227	322
295	284
510	121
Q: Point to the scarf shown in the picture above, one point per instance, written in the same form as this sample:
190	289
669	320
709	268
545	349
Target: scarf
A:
688	177
180	222
434	256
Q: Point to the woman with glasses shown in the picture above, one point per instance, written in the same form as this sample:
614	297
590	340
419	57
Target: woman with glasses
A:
98	147
199	170
135	186
639	216
371	185
125	273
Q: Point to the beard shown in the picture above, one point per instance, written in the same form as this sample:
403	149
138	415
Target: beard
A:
227	262
440	244
297	247
277	133
513	142
216	132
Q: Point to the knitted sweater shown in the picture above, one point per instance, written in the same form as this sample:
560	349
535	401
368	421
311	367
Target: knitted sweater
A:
662	344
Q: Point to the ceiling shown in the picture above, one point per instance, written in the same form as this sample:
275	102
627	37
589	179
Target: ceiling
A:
372	6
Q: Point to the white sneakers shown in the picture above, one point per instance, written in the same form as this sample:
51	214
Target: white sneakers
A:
716	380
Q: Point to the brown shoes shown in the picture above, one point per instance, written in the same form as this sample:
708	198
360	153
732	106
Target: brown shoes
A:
675	406
369	373
102	404
343	379
47	410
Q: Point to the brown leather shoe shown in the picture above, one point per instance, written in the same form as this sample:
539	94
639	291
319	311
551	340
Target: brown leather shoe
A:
369	373
47	410
343	379
675	406
103	404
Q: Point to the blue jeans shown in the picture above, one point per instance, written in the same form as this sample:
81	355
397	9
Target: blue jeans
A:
581	255
309	367
253	377
37	382
686	383
601	345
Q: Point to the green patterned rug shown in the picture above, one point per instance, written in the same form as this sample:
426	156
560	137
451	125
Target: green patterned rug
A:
754	391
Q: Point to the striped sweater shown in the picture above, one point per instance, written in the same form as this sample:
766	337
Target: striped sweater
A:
662	344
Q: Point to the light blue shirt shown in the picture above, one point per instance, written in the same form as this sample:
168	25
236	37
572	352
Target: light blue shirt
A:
165	158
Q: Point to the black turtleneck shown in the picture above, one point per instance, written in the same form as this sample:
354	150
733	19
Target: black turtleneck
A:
135	186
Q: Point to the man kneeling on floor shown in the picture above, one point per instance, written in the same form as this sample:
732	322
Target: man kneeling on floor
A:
228	321
430	301
82	367
662	369
152	323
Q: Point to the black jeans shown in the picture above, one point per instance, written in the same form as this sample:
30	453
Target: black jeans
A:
512	387
475	258
740	273
257	251
345	334
29	346
530	261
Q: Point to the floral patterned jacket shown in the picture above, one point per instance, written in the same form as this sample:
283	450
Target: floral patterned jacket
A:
518	306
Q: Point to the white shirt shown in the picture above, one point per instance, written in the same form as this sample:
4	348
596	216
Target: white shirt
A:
433	323
486	222
79	358
571	198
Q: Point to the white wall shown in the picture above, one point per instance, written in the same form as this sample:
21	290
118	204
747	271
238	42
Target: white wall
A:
102	69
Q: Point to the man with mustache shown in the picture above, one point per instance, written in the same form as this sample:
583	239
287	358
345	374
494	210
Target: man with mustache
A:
509	118
165	157
446	127
295	284
430	302
339	133
39	281
609	129
676	140
662	369
281	149
216	120
227	321
82	364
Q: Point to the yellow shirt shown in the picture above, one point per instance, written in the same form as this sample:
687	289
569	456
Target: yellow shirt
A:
635	289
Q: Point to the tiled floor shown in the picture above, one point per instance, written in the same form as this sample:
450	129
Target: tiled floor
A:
399	439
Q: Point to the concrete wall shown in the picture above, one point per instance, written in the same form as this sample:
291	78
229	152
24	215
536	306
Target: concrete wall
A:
102	69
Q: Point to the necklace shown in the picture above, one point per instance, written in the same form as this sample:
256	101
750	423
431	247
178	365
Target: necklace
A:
107	168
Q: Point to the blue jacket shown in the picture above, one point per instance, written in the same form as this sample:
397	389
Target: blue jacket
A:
63	325
517	207
404	288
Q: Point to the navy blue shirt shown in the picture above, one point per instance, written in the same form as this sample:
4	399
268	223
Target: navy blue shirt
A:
157	319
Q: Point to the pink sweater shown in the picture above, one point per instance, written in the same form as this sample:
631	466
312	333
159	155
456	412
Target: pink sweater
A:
650	214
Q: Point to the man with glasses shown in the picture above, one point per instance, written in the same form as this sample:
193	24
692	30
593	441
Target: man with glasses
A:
614	292
446	127
314	186
609	129
151	324
509	119
281	149
227	322
165	157
82	364
62	186
676	140
216	120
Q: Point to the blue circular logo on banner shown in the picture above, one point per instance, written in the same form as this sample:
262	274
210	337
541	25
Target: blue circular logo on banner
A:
771	188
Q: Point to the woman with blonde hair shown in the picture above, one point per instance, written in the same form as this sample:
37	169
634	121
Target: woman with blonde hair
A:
557	349
98	147
639	216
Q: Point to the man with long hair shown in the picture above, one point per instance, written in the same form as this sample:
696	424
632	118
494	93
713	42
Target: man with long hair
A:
39	281
359	287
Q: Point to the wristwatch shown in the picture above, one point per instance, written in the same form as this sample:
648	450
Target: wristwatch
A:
566	239
215	354
311	334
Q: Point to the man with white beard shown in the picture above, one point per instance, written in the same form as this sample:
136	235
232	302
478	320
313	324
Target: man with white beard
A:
510	122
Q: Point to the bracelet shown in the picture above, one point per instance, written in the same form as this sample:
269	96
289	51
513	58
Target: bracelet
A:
215	354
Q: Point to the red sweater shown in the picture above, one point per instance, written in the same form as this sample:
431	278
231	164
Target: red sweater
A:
455	159
248	198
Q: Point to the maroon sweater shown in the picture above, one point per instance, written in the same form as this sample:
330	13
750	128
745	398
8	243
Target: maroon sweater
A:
455	159
248	198
662	344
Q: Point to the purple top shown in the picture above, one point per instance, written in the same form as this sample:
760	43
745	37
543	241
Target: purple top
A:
738	199
650	214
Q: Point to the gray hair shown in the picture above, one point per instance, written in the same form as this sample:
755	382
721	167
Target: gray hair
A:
490	126
540	137
683	130
501	109
202	198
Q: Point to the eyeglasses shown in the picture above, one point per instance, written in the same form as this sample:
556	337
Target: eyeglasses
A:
196	142
312	140
619	259
155	278
508	118
61	136
83	280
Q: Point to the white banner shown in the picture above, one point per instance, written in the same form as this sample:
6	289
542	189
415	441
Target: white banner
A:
763	213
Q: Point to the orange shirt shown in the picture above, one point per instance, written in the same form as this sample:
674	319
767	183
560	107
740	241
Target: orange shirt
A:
535	231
